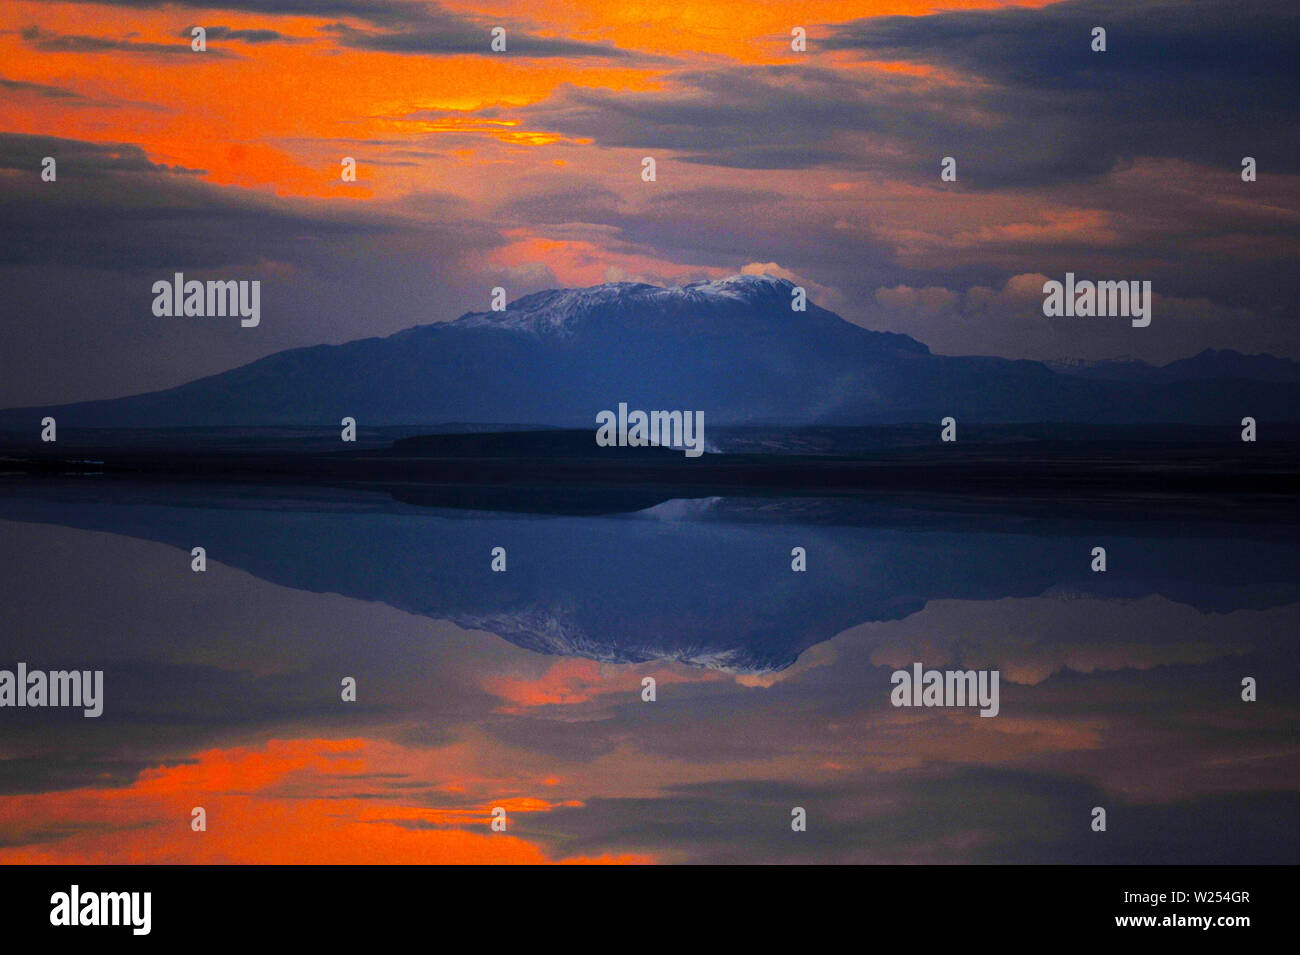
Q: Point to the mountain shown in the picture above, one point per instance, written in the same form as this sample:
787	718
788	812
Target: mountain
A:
732	348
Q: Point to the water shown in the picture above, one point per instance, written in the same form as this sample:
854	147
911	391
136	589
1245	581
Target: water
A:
523	689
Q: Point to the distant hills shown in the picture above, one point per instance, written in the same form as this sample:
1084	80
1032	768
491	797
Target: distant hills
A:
1211	363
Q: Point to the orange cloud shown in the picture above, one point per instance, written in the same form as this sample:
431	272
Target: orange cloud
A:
309	801
571	681
280	115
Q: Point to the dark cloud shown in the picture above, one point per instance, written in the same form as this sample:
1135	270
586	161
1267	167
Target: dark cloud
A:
1050	46
776	117
20	152
245	36
63	97
47	41
1205	81
797	117
395	27
456	36
41	89
373	11
968	815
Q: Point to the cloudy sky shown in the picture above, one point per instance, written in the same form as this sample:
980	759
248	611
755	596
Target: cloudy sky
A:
522	168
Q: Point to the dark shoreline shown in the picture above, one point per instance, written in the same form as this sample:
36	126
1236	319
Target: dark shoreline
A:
565	472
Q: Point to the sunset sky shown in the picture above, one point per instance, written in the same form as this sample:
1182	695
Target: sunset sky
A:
522	169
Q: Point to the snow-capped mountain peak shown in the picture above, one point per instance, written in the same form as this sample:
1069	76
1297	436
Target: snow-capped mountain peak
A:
560	310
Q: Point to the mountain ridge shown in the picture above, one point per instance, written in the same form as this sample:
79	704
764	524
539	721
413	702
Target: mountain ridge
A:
732	348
